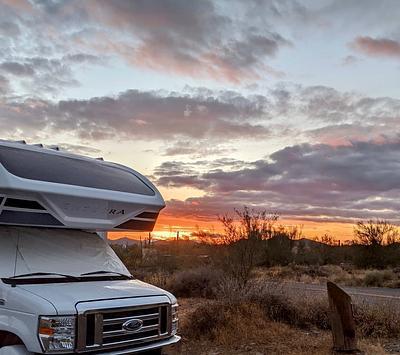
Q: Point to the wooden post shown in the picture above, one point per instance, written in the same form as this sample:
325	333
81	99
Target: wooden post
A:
342	320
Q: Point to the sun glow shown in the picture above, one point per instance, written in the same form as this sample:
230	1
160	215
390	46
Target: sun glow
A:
171	227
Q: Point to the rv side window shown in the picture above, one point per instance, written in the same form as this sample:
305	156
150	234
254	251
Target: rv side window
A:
40	166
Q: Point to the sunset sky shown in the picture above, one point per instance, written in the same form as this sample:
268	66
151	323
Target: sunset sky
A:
289	106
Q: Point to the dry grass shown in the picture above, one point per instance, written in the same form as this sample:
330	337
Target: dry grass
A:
276	303
222	317
378	320
346	275
213	327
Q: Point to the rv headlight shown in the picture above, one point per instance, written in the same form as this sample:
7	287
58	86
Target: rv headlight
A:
175	318
57	334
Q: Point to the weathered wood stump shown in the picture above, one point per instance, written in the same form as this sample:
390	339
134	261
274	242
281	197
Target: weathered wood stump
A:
342	321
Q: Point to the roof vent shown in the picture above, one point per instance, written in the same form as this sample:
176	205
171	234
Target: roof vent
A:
54	147
40	145
100	158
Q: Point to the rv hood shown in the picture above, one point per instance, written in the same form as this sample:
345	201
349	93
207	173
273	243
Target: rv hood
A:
69	252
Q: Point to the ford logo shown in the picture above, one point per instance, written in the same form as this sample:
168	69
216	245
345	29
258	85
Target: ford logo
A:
132	325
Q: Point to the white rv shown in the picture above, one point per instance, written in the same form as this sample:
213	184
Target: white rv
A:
62	288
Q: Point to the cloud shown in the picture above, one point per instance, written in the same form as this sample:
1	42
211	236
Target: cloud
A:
198	148
17	5
191	38
350	60
200	122
377	47
141	115
9	29
80	149
40	75
37	48
83	58
315	182
4	85
347	133
18	69
319	106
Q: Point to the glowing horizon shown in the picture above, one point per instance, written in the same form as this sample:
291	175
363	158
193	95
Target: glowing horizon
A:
168	228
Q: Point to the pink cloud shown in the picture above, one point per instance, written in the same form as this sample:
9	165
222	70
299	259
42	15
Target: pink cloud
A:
376	47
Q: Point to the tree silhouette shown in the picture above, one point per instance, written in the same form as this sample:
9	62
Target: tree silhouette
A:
376	233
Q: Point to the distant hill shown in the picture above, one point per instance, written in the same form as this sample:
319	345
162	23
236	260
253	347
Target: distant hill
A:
308	242
124	241
304	242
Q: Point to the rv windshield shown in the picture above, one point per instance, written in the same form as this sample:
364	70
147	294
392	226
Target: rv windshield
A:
57	253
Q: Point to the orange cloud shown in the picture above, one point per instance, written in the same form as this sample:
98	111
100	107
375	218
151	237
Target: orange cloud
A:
377	47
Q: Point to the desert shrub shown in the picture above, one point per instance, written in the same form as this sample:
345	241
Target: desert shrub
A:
207	320
303	312
200	282
378	278
378	320
222	322
160	279
131	256
230	290
260	302
331	270
275	304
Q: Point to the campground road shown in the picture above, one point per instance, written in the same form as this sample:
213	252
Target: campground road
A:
359	294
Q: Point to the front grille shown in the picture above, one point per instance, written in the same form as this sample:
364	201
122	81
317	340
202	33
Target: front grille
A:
104	329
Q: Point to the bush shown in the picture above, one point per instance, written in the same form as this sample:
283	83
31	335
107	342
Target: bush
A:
206	320
303	312
378	320
224	323
201	282
307	312
260	302
378	278
159	279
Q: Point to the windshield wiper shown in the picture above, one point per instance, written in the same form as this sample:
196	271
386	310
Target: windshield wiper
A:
31	279
43	274
103	272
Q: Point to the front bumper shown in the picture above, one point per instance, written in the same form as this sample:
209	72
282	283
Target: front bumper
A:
159	344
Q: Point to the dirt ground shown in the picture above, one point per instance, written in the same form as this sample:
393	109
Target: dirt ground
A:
264	337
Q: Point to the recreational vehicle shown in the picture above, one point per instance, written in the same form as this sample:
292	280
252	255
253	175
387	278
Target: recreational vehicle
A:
63	290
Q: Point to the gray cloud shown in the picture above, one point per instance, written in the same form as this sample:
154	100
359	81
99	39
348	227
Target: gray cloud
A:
41	75
38	50
83	58
18	69
4	85
195	38
9	29
317	182
194	120
222	40
325	106
350	60
140	115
